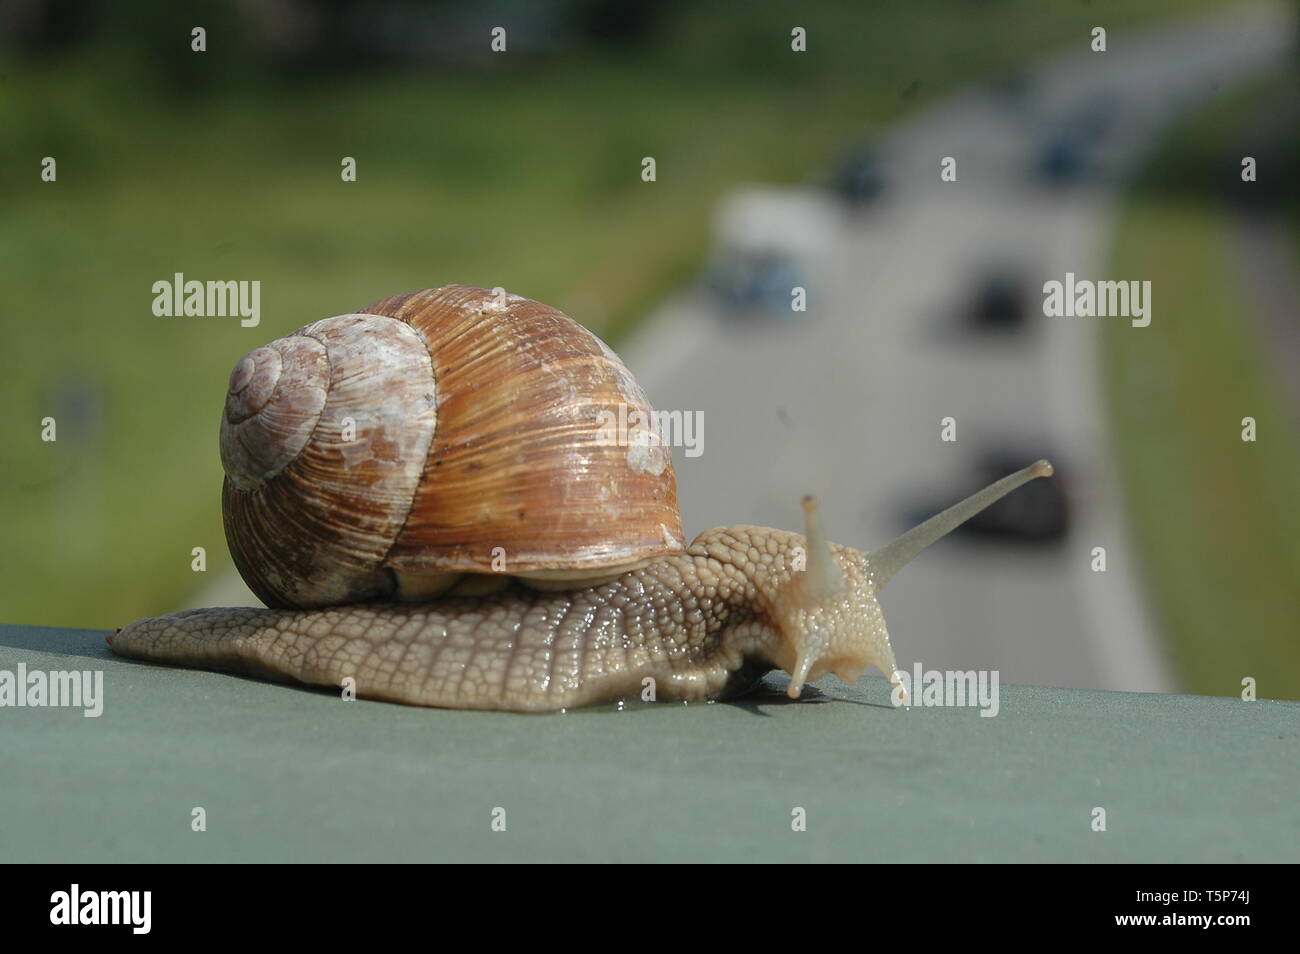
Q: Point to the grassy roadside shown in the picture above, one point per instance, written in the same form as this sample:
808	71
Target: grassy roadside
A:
525	179
1216	518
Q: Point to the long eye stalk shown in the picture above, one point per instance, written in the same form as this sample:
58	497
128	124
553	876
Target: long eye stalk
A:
823	575
893	556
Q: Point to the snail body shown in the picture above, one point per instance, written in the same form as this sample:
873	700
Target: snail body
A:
375	554
688	622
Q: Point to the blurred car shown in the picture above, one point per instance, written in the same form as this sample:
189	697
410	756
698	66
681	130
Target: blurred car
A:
999	303
858	176
755	281
1062	157
1036	514
768	241
1096	116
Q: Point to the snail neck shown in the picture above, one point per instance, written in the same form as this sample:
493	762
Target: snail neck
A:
716	598
802	604
749	566
754	579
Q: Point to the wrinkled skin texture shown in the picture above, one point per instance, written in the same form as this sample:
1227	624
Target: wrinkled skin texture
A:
703	624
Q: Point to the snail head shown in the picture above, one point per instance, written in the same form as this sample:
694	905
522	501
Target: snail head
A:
826	610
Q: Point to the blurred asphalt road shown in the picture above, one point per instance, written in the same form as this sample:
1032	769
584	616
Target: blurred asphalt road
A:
847	403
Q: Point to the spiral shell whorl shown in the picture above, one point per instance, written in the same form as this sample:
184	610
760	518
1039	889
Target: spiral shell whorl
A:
275	400
324	440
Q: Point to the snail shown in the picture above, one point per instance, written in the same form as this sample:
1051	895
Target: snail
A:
419	494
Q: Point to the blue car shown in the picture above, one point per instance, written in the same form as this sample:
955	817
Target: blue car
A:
749	282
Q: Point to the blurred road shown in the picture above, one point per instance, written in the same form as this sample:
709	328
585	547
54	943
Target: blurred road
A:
847	403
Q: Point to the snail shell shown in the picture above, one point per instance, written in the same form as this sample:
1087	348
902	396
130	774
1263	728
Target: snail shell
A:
385	454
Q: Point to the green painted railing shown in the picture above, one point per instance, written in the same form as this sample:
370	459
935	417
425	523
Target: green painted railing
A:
286	773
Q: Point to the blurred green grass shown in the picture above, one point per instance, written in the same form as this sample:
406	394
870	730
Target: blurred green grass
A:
523	174
1215	517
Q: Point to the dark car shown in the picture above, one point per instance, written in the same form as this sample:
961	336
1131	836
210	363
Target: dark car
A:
858	177
1096	116
999	303
1062	157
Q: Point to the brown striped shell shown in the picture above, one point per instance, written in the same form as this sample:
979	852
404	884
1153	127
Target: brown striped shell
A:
385	454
